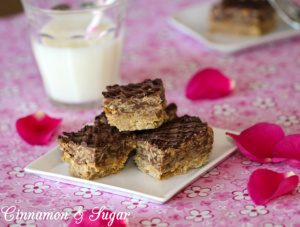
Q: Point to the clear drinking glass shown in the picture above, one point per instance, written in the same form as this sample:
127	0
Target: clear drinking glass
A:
288	10
77	45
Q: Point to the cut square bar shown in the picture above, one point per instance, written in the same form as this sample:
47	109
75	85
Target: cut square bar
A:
96	151
174	147
136	106
242	17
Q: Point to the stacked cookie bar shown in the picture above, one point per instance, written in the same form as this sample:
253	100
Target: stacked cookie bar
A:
136	106
136	117
96	150
178	145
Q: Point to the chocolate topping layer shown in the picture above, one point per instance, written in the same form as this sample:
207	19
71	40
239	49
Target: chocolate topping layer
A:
101	118
139	90
171	111
87	5
95	136
250	4
61	7
173	133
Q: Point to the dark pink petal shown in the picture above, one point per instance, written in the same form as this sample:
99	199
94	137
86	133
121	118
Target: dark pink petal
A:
209	84
297	3
94	218
265	185
37	128
288	150
258	141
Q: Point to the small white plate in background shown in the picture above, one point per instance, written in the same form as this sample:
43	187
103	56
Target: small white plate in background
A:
193	21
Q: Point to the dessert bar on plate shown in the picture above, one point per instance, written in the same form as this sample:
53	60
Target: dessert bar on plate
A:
173	148
130	181
101	149
193	21
136	106
96	150
246	17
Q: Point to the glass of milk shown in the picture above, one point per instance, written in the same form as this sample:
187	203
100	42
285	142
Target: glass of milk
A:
77	46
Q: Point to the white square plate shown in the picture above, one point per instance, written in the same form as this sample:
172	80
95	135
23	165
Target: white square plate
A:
130	181
193	21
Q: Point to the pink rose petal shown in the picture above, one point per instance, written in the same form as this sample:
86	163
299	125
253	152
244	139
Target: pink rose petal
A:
297	3
288	150
37	128
258	141
209	84
265	185
94	218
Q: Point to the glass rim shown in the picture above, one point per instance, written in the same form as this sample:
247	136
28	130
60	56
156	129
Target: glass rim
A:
27	5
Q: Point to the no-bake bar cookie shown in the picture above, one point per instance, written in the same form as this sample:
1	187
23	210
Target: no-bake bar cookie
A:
136	106
174	147
96	151
242	17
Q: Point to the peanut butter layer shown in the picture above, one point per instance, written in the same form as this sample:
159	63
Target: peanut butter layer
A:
171	111
136	106
174	147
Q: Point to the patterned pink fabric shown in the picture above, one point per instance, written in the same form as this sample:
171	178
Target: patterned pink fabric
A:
268	89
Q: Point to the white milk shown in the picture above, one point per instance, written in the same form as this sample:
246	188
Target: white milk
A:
74	70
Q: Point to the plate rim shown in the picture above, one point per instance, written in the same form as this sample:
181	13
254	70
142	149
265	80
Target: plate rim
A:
124	191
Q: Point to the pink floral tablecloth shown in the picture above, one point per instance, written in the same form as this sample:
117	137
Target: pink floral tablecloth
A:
268	89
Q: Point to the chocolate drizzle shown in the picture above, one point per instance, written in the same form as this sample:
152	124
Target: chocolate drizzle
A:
173	133
139	90
249	4
97	135
171	111
101	118
64	6
88	5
